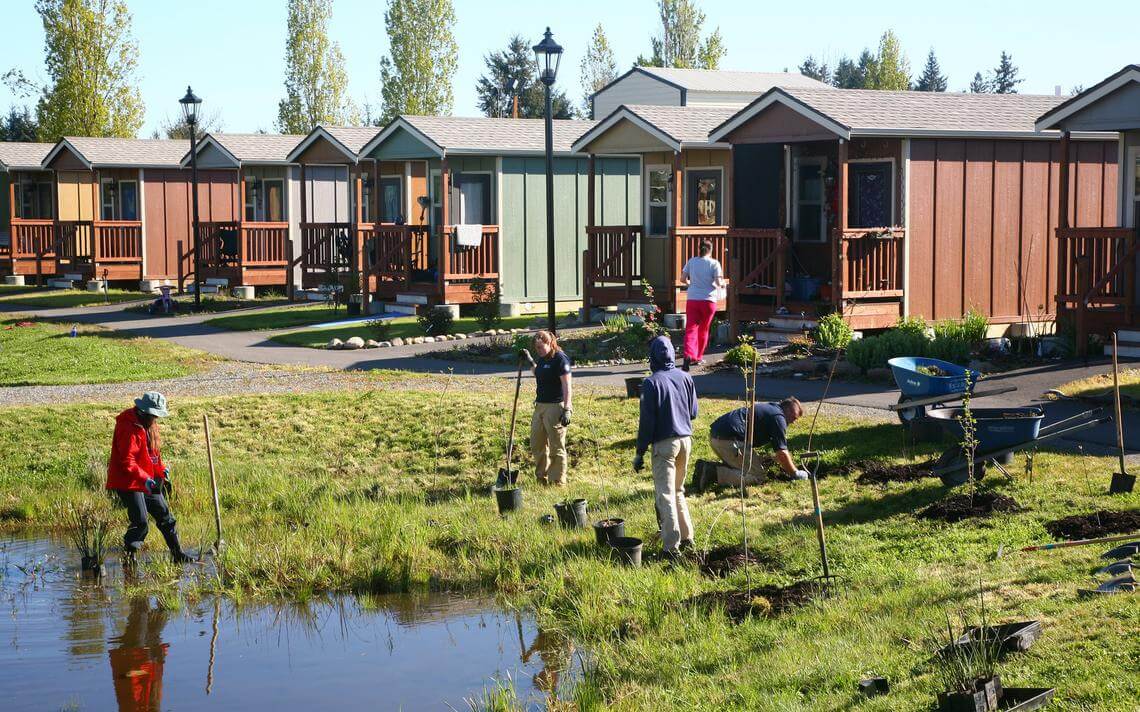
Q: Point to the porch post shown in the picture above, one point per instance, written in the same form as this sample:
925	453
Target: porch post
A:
358	237
1065	247
240	225
841	228
591	209
445	219
674	239
96	215
728	190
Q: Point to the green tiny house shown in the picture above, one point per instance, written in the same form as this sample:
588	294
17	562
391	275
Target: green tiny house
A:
495	172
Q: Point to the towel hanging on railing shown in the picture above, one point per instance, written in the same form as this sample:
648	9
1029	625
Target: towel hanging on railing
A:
469	235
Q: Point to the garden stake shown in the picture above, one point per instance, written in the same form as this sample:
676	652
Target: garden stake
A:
746	460
219	542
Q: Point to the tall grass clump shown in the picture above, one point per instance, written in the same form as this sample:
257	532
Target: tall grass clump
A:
832	332
499	697
88	523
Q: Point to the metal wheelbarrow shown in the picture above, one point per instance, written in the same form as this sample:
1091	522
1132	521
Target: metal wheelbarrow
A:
933	382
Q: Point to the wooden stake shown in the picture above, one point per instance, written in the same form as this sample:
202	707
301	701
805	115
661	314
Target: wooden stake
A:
1116	393
219	543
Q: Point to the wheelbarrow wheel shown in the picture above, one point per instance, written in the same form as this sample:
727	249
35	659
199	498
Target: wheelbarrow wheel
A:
907	416
954	471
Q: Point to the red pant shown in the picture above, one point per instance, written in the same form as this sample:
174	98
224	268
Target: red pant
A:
698	319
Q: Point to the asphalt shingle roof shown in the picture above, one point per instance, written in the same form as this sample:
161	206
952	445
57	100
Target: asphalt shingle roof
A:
19	155
258	148
456	134
920	111
143	152
722	80
687	124
353	137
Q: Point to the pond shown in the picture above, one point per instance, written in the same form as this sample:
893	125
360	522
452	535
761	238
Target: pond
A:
69	641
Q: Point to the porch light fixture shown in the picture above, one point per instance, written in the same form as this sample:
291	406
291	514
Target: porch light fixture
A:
190	105
548	54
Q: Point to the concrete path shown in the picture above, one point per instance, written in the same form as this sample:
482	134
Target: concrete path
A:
256	347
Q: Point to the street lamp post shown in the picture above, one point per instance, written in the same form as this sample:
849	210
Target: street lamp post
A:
190	105
548	53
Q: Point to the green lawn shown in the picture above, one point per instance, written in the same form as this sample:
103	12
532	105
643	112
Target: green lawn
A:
383	489
1101	386
210	303
401	327
42	298
45	354
279	318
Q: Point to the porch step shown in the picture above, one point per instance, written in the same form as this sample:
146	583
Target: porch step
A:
62	283
792	321
72	277
1128	341
153	285
14	280
96	285
775	335
398	308
205	288
411	298
217	281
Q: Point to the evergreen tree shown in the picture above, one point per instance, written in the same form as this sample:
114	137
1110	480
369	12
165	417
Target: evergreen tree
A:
210	122
848	75
932	78
1005	79
816	70
890	70
598	67
19	125
979	85
90	57
866	66
680	43
316	83
423	58
515	68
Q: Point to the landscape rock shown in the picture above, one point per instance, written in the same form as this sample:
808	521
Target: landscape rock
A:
397	342
334	344
372	344
353	343
385	344
461	336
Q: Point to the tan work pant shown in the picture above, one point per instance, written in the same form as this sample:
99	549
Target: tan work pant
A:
670	463
731	453
548	444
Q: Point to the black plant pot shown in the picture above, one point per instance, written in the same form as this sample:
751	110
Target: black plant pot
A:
874	686
352	308
578	513
91	565
627	550
985	697
606	530
565	515
633	386
509	500
1121	483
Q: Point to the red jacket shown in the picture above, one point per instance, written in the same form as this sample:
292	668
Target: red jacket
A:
132	463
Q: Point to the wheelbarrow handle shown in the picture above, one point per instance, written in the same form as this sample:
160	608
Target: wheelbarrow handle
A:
1039	439
1045	430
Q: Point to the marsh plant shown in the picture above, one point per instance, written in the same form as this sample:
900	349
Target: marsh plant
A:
88	523
499	697
966	661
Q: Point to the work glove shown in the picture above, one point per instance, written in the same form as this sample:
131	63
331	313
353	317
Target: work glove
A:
523	353
166	473
801	474
564	421
638	462
151	485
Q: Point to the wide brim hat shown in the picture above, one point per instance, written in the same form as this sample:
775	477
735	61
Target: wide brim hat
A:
152	403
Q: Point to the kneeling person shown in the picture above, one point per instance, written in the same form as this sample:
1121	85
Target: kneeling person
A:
728	438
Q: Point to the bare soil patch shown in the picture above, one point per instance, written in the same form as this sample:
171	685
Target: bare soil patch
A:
763	601
964	506
1089	526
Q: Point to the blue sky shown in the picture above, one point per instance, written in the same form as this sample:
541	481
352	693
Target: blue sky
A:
234	59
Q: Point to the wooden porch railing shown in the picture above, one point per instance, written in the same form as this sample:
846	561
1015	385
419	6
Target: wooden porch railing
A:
611	262
1096	265
869	263
326	246
31	238
461	263
117	241
394	252
263	244
757	259
686	243
74	243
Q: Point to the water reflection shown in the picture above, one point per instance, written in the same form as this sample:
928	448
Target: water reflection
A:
61	630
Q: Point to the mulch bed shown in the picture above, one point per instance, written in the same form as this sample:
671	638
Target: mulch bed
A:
1089	526
875	472
962	506
764	601
723	560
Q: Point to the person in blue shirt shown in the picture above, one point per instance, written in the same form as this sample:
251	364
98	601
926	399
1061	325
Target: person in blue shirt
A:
552	409
728	439
668	406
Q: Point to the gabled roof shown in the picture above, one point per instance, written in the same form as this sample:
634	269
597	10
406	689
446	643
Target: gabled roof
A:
122	152
1050	119
868	112
730	81
456	135
674	126
246	149
22	156
349	140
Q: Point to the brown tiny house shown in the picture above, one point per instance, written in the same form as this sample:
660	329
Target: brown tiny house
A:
27	210
886	204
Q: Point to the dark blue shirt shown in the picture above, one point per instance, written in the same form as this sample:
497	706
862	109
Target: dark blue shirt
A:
668	398
769	426
548	373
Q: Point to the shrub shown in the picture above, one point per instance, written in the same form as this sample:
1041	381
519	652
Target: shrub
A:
741	355
912	325
975	326
488	300
435	322
381	329
832	332
874	351
950	342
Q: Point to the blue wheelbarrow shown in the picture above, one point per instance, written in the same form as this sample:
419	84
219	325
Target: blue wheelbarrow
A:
931	382
999	432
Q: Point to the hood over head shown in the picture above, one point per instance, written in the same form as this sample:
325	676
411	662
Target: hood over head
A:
661	354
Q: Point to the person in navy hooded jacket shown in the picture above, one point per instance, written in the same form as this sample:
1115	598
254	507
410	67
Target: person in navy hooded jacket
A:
668	406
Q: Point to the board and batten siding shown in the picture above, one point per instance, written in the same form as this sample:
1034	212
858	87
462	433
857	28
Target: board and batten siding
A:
635	88
326	194
523	222
982	220
74	196
168	215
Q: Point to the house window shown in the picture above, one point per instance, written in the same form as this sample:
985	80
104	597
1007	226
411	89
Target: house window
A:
35	200
119	199
390	199
264	199
810	221
869	188
436	200
657	224
703	197
107	211
474	198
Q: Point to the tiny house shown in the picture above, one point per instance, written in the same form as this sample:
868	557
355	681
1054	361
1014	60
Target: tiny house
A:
251	246
27	210
465	200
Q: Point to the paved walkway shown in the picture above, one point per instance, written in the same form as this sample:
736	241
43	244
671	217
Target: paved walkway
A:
256	347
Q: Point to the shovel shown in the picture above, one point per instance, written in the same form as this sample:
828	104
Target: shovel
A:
507	476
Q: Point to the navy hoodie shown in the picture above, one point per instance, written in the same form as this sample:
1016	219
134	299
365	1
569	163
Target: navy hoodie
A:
668	398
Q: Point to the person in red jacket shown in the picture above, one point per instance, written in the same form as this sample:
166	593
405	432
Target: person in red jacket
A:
137	475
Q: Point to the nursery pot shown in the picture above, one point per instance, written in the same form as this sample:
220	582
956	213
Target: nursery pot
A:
984	697
578	514
91	565
606	530
628	550
1121	483
633	386
509	499
565	515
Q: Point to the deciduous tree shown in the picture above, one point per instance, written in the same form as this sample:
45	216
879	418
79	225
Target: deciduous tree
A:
423	56
599	67
316	83
890	69
208	122
679	44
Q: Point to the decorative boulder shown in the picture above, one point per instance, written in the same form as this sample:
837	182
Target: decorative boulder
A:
335	344
397	341
372	344
461	336
354	343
